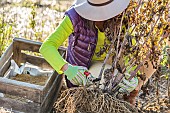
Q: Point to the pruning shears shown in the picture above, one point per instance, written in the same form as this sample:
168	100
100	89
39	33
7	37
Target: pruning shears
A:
91	79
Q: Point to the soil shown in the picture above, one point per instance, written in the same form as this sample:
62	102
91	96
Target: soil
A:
38	80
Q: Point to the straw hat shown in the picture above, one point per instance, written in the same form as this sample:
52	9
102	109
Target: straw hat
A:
100	10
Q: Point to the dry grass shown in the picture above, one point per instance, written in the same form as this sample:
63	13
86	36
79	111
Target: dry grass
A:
38	80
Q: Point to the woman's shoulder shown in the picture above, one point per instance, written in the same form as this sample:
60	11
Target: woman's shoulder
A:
71	12
74	16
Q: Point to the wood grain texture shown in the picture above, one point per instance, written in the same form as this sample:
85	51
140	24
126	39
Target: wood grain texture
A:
52	94
23	89
18	105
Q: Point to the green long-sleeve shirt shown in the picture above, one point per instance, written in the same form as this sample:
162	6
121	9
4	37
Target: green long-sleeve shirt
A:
49	48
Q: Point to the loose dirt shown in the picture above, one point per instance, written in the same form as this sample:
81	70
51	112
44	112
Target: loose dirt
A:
38	80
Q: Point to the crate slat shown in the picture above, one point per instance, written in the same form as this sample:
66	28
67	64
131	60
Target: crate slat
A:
5	60
18	105
35	60
28	44
52	95
5	67
23	89
7	54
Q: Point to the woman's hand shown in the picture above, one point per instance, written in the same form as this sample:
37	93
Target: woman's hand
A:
78	75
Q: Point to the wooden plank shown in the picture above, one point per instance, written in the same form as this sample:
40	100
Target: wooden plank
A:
16	53
49	83
28	44
52	95
26	41
19	106
35	60
7	74
29	47
7	54
30	91
23	44
5	67
33	45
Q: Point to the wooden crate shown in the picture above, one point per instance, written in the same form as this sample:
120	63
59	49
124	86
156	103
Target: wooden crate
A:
41	98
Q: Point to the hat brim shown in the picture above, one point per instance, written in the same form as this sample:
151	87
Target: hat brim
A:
101	13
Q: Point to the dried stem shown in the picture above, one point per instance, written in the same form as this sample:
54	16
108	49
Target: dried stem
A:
117	49
107	57
133	73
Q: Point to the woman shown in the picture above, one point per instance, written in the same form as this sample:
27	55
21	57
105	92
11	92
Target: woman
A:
84	24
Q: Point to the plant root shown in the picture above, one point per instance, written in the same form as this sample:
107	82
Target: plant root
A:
88	100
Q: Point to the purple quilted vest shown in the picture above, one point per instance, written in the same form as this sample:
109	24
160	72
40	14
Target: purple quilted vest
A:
82	42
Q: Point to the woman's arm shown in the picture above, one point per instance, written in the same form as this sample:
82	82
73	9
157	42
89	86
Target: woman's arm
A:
49	48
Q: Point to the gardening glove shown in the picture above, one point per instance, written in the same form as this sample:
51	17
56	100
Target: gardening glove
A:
79	75
127	86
